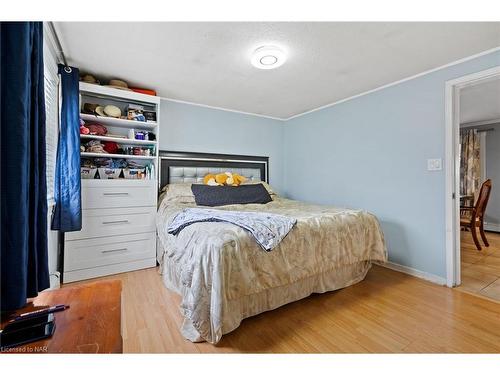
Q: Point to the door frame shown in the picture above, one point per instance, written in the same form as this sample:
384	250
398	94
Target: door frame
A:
452	165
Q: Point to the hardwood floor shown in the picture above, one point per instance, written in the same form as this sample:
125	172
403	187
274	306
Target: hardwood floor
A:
481	269
387	312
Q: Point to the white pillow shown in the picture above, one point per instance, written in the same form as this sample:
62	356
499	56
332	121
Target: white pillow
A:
177	193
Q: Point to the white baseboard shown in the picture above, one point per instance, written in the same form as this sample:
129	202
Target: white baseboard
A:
413	272
55	280
492	227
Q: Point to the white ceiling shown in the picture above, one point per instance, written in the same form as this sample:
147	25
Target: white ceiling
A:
480	102
209	63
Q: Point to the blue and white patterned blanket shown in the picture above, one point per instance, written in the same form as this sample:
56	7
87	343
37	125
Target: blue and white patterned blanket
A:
268	229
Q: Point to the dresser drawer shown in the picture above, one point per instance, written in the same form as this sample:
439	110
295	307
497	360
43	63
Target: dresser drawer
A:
96	252
112	269
106	222
115	195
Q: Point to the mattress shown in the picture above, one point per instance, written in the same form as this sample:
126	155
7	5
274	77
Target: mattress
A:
224	276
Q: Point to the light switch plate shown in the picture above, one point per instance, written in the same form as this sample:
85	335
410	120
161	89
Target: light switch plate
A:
434	165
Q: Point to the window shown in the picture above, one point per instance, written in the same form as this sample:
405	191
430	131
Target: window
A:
51	140
52	114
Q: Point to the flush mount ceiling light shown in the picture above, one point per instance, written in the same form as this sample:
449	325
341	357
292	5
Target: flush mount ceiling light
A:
268	57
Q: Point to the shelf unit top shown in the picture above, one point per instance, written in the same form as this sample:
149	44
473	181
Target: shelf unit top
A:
117	140
111	92
115	156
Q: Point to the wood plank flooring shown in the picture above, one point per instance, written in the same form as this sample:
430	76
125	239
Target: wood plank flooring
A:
481	269
387	312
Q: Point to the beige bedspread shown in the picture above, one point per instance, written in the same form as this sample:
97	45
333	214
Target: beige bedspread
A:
214	265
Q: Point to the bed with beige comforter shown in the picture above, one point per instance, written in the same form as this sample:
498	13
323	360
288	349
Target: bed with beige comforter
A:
224	276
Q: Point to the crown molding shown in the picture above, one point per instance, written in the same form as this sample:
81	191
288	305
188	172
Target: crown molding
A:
222	108
456	62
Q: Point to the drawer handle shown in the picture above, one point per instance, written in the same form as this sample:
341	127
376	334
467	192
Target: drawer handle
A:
115	194
113	251
116	222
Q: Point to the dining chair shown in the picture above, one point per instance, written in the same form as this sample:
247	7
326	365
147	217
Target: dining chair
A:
475	219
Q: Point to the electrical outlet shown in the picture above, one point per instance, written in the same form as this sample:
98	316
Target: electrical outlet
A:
434	165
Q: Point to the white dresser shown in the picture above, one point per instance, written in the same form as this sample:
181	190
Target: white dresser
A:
118	230
118	215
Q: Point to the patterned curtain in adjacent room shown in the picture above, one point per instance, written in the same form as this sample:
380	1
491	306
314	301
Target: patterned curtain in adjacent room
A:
470	166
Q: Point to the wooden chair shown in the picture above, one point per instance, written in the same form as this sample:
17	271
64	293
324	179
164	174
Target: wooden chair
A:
476	217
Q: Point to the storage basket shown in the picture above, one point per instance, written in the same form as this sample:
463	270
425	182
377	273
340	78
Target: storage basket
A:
109	173
87	173
134	173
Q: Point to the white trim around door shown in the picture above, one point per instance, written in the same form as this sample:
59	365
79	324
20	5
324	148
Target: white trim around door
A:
452	165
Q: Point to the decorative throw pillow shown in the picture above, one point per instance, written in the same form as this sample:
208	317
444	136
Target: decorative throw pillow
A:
269	189
225	195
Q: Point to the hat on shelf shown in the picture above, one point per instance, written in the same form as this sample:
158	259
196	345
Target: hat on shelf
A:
105	111
99	110
89	78
96	129
112	111
118	84
90	108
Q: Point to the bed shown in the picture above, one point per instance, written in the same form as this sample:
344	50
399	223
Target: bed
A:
224	276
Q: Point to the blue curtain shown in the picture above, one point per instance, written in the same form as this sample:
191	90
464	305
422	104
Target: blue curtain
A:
67	192
23	260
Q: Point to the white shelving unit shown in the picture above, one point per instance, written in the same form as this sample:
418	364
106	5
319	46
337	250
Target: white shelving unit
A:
103	95
118	215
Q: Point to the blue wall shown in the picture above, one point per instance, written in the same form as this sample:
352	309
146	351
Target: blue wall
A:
371	152
186	127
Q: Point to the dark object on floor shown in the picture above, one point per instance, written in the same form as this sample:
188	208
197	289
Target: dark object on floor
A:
27	330
476	218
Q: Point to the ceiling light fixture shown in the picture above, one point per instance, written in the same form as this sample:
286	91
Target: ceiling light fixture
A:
268	57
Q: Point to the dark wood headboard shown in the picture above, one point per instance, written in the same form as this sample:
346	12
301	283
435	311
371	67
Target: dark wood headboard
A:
208	161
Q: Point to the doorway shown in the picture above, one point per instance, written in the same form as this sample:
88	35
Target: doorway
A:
472	148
